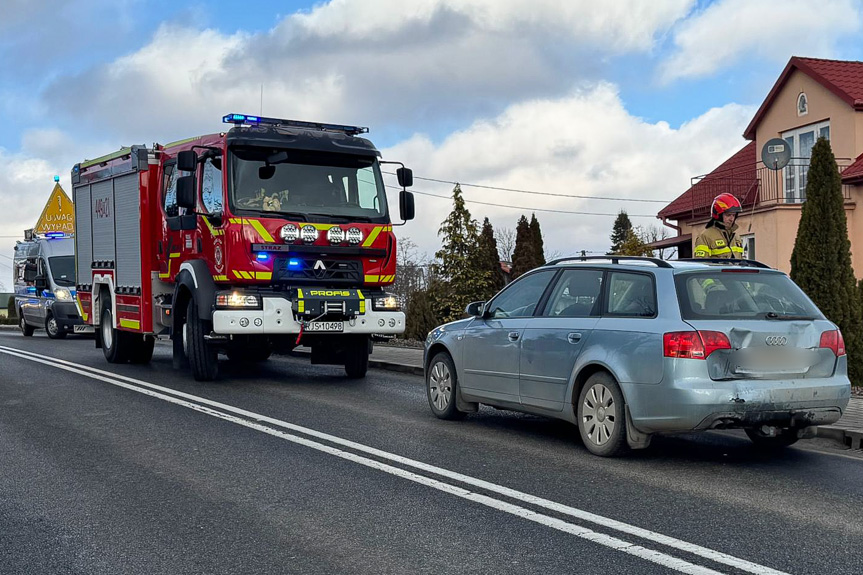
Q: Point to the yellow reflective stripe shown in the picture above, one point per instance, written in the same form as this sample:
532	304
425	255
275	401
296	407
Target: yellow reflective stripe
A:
262	231
736	249
702	248
300	293
301	306
174	255
360	294
373	236
130	323
236	273
213	230
220	278
264	275
362	301
371	278
720	251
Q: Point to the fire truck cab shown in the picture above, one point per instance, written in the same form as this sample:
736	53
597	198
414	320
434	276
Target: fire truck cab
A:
273	234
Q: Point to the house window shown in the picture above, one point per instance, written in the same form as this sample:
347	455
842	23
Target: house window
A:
801	140
748	246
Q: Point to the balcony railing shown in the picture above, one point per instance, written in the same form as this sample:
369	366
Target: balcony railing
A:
757	186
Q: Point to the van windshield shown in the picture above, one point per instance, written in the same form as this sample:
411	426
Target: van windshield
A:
737	294
63	270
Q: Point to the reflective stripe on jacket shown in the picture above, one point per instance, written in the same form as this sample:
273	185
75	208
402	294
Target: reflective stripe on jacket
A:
715	242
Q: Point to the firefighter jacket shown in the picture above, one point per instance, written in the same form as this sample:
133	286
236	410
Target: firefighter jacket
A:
718	242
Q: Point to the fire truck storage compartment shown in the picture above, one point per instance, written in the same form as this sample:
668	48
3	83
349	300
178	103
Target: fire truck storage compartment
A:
110	231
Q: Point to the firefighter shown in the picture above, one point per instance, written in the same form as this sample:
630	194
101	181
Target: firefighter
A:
719	238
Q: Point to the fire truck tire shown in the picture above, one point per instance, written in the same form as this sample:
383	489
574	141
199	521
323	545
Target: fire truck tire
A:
53	329
357	357
26	329
141	349
203	358
113	340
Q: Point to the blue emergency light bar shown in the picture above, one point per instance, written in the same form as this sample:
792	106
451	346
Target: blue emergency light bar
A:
245	119
55	235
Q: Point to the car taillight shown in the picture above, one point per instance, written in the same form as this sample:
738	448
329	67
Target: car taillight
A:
694	344
833	340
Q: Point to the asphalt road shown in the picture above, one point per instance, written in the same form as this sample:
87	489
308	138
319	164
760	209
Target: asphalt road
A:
285	467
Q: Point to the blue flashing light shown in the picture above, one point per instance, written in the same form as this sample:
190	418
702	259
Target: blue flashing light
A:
263	257
57	179
55	235
294	264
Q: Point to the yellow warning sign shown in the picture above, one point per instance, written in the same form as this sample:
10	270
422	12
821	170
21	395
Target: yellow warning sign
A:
58	215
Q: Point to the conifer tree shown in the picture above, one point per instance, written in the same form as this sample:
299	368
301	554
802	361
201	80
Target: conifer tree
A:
489	260
536	239
821	260
619	233
523	256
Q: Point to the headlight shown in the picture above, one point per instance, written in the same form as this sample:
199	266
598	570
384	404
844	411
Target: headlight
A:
61	294
290	233
354	236
386	303
336	235
237	300
310	234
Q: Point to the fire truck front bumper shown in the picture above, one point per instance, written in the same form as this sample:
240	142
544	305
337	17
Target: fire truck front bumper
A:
338	313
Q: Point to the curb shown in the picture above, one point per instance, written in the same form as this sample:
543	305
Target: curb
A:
375	363
850	438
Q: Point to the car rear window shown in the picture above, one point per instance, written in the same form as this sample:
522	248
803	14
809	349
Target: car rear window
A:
738	294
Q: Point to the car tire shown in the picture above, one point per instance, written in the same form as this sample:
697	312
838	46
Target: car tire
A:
53	329
26	329
113	340
357	357
442	387
203	358
785	438
601	416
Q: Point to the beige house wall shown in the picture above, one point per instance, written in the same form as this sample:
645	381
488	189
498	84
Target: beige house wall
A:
846	125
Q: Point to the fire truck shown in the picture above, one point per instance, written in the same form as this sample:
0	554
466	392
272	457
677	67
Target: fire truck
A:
273	234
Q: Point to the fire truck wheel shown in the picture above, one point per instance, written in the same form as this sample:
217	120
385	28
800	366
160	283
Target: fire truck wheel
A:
203	358
357	357
113	340
141	349
53	330
27	330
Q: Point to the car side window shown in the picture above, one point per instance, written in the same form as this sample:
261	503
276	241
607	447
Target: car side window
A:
521	297
631	294
576	294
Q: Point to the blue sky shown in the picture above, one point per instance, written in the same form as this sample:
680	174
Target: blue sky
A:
627	99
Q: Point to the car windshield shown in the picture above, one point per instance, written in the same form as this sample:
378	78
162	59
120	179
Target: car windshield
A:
738	294
304	185
63	270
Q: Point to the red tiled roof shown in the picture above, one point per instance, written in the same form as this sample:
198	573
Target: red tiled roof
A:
736	175
854	172
843	78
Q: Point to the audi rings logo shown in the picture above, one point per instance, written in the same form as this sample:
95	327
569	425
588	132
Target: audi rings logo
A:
776	340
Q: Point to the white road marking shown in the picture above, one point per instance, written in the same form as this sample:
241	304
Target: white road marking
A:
201	404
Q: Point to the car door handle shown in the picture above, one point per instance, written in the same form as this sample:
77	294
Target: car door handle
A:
573	337
513	336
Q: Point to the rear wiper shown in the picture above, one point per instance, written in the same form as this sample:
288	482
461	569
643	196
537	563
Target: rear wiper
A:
787	317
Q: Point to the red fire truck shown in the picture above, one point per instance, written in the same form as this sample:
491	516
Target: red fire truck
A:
273	234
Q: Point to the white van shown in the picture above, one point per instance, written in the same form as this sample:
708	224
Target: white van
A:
45	287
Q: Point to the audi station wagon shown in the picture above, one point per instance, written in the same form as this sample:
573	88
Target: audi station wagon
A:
626	348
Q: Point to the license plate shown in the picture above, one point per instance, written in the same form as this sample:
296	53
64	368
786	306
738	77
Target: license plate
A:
326	326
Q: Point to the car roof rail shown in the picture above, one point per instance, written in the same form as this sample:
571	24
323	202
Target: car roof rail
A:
727	262
614	259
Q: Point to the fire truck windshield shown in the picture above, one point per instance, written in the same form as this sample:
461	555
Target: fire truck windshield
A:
306	185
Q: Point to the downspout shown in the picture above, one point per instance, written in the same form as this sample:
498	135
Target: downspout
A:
672	226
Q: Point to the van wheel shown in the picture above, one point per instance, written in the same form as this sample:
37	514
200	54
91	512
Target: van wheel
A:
53	330
784	438
27	330
357	357
203	358
113	340
601	416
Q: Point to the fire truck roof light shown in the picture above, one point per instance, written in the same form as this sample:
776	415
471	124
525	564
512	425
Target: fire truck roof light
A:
240	119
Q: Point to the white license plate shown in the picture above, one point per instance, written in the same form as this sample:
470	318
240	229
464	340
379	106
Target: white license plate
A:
326	326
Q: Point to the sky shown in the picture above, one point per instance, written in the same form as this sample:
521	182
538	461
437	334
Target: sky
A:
608	106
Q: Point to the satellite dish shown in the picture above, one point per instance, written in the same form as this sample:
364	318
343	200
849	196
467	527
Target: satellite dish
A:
776	154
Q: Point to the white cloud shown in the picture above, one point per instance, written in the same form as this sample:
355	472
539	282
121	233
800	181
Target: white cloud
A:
583	144
730	30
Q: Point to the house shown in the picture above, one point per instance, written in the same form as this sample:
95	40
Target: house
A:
812	99
4	303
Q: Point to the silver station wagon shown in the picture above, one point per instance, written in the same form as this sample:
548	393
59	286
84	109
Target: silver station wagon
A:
628	347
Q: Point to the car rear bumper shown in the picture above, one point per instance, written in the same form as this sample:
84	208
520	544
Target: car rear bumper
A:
696	404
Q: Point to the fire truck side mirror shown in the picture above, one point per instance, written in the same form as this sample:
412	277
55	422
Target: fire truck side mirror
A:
186	192
406	205
187	161
405	177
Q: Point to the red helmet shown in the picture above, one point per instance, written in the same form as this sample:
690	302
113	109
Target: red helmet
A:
725	203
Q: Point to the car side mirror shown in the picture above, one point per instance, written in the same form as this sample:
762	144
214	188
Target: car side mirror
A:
406	205
405	177
187	161
475	308
186	192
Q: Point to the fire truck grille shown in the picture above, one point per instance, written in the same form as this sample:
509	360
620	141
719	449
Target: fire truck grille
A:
316	271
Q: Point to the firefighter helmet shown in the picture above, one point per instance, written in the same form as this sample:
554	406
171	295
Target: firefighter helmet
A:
725	203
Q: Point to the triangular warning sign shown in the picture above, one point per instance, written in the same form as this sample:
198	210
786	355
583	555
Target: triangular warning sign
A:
58	215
